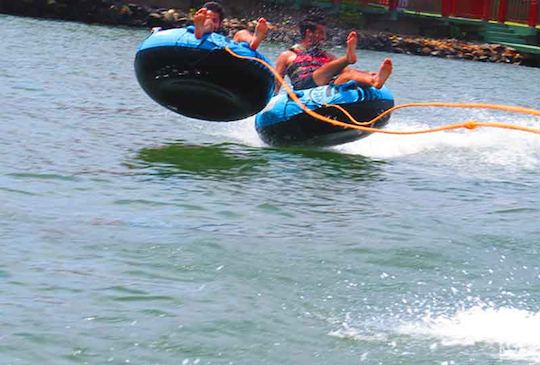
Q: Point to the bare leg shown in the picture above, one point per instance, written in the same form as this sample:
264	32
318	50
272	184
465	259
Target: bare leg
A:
254	40
363	78
352	39
367	78
384	73
326	73
243	35
260	33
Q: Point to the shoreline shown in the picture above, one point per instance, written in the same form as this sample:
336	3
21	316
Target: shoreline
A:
283	26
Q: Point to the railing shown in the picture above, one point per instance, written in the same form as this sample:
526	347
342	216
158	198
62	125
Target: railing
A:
469	9
386	3
537	18
424	6
519	11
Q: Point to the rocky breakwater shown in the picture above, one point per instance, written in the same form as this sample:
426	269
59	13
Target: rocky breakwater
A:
454	49
110	12
387	42
119	12
283	27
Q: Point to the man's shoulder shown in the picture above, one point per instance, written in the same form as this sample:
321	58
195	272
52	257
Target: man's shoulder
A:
287	53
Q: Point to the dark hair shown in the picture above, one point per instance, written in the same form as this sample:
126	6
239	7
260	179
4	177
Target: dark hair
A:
216	8
310	23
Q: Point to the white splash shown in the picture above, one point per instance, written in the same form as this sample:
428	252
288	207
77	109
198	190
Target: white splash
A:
516	332
495	143
468	153
459	148
242	131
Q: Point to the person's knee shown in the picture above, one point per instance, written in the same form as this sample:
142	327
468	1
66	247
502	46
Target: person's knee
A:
243	36
349	74
321	78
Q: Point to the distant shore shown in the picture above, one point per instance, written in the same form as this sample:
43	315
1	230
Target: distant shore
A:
148	14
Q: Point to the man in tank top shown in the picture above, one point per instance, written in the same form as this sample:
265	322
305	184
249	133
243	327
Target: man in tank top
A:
308	65
209	19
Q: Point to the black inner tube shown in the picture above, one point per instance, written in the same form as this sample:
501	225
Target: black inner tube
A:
204	84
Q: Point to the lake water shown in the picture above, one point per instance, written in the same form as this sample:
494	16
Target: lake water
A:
130	234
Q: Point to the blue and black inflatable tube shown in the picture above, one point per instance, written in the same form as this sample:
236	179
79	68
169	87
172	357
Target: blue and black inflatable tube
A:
284	123
198	78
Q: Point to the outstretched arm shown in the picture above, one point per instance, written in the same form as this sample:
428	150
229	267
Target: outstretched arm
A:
282	63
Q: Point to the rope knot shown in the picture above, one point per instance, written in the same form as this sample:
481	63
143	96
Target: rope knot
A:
470	124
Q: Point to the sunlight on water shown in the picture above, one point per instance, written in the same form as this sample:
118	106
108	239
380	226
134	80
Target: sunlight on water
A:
515	331
347	331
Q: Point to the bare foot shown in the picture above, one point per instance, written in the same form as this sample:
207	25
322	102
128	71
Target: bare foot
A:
352	39
384	73
198	20
261	29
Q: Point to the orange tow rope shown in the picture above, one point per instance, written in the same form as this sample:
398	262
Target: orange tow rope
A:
364	126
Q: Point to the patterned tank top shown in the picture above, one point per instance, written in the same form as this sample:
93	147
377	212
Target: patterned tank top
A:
305	63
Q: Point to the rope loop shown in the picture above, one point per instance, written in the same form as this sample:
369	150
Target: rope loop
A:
365	126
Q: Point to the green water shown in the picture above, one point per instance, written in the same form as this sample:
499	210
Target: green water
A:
129	234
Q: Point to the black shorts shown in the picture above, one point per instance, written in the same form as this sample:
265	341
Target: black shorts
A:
305	83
